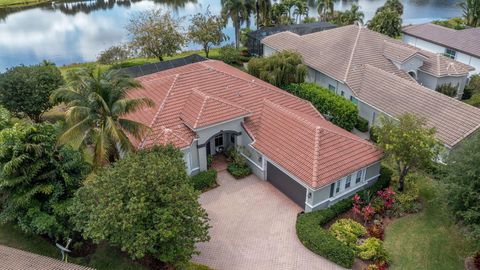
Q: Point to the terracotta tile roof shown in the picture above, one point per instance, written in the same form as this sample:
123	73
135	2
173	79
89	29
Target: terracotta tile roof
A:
15	259
453	119
343	53
203	110
323	152
467	40
180	94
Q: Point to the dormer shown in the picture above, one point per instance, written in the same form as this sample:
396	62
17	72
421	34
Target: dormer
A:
404	57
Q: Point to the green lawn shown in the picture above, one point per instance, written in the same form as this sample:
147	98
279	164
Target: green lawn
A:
21	3
104	258
428	240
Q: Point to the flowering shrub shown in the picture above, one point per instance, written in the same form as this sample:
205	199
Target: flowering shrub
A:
365	211
376	230
347	231
388	197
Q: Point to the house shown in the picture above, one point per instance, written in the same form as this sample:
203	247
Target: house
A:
207	107
461	45
383	76
254	44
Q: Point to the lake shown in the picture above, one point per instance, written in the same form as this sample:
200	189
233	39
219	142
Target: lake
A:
76	32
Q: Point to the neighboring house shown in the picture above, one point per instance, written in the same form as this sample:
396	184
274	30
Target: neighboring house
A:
380	75
461	45
208	107
254	44
15	259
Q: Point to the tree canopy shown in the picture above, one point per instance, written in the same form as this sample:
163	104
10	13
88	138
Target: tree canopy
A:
462	175
25	90
407	142
279	69
97	104
154	33
387	21
144	204
37	179
207	30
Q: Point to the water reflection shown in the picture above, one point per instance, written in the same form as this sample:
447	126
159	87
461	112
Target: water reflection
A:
77	31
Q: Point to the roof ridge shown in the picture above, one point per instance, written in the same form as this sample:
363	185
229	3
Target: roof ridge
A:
223	100
160	108
205	99
253	81
352	53
316	156
291	113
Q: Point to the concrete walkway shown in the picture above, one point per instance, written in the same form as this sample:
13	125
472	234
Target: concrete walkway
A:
253	227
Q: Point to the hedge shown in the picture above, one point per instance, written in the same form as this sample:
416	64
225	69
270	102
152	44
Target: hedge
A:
362	124
204	180
314	237
238	171
343	112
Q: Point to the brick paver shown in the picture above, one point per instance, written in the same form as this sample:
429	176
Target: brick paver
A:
253	227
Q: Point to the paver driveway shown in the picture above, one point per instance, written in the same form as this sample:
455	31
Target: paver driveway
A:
253	227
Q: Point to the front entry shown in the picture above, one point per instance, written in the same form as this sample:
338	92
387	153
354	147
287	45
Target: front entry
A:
286	185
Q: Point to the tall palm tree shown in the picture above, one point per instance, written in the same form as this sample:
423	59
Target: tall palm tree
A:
471	12
264	8
353	15
97	104
301	9
237	12
325	8
250	6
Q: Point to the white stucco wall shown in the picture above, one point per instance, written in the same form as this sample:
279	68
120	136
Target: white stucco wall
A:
267	51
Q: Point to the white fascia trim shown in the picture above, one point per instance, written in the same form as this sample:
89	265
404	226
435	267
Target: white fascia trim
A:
221	123
254	163
336	196
194	169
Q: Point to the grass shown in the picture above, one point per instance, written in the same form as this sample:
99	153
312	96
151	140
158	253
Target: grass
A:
214	53
21	3
428	240
104	257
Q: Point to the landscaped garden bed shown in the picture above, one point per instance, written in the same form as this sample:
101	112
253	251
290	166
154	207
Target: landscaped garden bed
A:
237	164
205	181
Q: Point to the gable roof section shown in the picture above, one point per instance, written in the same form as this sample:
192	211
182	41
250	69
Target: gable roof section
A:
398	53
466	41
311	148
453	119
203	110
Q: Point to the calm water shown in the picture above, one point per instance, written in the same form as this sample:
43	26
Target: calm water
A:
76	32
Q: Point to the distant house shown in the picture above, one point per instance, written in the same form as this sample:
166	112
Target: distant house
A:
254	43
384	76
207	107
461	45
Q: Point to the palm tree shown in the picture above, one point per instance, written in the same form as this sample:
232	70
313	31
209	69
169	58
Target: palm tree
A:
237	12
97	103
301	9
471	12
263	12
325	8
352	15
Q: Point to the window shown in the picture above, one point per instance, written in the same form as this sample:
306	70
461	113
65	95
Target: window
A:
354	100
219	140
359	177
338	187
232	138
342	94
348	181
331	88
450	53
332	189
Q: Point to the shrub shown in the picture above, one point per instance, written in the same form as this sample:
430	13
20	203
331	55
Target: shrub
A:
322	242
362	124
407	202
373	249
448	89
238	171
230	55
113	54
343	112
279	69
204	180
376	230
373	134
347	231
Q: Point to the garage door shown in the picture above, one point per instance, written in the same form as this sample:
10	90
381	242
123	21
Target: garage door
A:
286	184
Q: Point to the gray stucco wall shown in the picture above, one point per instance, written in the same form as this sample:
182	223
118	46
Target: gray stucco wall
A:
433	82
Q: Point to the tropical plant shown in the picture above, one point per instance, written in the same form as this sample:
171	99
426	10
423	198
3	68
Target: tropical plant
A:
325	9
279	69
280	14
373	249
352	15
462	176
144	204
393	5
264	8
347	231
97	104
154	33
237	11
386	21
407	142
456	23
230	55
25	90
300	10
471	12
38	179
206	30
